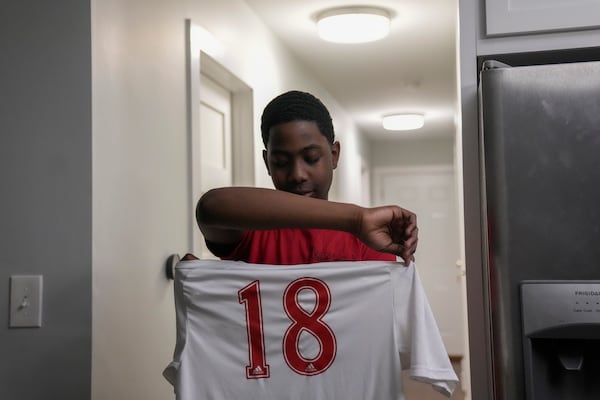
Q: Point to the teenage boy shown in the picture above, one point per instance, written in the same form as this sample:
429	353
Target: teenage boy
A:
296	223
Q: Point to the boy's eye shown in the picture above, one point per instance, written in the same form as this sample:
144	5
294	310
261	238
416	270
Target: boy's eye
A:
279	161
312	159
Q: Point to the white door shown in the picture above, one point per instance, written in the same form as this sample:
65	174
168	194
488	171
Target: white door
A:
430	193
215	135
215	140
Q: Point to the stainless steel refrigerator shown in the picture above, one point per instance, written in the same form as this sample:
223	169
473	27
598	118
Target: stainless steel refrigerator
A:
540	146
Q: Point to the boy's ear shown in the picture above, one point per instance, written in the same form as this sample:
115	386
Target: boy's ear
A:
335	154
264	154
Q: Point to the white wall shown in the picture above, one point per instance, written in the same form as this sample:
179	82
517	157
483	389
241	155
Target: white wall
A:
432	151
141	206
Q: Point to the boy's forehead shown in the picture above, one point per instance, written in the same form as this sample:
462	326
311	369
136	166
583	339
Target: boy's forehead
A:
296	133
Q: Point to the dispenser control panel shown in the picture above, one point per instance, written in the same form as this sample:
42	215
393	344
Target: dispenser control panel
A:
548	304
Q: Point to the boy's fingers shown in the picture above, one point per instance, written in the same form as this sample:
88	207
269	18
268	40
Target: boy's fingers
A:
189	256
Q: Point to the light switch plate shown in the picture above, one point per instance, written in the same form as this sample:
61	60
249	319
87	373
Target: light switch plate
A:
25	301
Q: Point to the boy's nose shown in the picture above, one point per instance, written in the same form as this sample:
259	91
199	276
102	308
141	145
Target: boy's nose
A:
298	172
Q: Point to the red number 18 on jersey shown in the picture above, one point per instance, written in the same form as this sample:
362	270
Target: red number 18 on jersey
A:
302	320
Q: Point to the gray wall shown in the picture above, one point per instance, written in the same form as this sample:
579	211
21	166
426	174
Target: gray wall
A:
45	201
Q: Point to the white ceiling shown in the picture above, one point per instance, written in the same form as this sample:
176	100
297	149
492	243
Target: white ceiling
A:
411	70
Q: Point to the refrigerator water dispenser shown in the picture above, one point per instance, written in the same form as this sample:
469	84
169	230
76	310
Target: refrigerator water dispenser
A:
561	339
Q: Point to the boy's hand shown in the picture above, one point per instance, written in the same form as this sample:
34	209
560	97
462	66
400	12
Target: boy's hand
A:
390	229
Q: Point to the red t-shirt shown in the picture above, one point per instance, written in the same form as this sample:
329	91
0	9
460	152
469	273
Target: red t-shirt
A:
301	246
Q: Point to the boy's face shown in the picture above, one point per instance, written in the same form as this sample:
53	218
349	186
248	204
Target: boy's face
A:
300	160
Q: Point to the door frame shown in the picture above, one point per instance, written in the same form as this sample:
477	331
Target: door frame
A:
242	121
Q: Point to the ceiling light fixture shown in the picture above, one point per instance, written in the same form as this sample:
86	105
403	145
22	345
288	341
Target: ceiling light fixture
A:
353	24
403	122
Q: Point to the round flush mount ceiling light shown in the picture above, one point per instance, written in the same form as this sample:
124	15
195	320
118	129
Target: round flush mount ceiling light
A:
353	24
403	122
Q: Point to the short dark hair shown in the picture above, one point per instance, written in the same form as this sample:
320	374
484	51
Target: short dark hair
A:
296	106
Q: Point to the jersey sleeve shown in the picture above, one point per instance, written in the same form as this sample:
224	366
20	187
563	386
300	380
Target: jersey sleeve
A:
419	341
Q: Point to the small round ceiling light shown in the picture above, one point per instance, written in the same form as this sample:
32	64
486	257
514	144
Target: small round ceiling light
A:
403	122
353	24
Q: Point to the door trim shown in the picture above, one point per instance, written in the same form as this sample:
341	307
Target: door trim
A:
242	123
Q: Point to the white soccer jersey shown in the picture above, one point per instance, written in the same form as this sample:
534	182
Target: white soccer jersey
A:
335	330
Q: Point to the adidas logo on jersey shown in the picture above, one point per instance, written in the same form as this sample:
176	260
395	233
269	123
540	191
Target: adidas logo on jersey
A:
310	368
258	371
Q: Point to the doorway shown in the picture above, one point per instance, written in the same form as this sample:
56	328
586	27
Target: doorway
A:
221	133
429	191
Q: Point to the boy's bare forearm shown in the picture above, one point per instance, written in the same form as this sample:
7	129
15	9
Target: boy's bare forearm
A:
245	208
225	214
